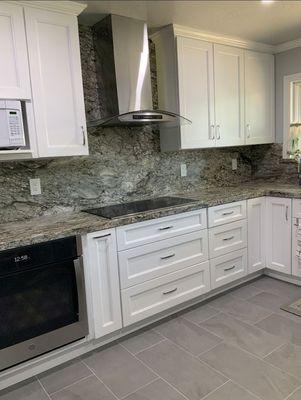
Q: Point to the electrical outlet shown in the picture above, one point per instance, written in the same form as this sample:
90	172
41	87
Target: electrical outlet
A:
35	186
234	164
183	170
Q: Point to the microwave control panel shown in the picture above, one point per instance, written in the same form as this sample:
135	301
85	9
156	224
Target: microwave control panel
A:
11	124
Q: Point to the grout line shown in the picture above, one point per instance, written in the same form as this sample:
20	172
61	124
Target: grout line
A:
293	392
276	348
148	347
97	377
215	390
247	390
262	319
71	384
204	320
43	388
140	387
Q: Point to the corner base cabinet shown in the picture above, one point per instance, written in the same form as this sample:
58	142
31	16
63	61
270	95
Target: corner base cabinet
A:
279	238
102	268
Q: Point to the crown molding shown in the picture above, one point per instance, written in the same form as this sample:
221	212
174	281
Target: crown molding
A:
65	6
279	48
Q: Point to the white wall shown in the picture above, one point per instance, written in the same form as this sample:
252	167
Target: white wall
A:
286	63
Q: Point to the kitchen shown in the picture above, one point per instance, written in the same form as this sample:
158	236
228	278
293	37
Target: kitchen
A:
150	200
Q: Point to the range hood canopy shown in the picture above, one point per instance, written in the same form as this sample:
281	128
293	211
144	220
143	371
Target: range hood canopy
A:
123	75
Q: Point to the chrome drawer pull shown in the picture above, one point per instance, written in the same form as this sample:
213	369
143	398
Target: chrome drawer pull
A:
103	236
170	291
229	238
228	212
165	228
166	257
229	269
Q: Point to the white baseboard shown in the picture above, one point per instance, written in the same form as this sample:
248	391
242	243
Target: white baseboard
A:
283	277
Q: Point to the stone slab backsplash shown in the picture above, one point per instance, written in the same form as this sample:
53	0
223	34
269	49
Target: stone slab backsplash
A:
125	164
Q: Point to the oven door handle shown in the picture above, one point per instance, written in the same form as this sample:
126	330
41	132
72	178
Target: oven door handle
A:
81	292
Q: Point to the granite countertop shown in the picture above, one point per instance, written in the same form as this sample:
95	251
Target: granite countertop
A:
22	233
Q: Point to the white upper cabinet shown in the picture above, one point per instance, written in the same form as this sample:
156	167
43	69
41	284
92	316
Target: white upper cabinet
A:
14	73
54	58
229	95
259	91
196	92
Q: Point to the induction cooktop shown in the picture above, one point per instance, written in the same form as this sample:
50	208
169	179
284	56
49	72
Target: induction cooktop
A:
135	207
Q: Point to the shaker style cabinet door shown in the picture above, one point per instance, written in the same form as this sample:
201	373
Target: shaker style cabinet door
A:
55	69
256	234
196	97
14	72
259	94
229	95
279	234
104	276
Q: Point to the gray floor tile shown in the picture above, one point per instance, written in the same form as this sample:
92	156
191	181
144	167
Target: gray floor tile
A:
268	300
183	371
119	370
240	309
141	341
87	389
246	336
288	358
278	287
296	395
65	375
245	292
27	391
293	317
158	390
200	314
257	376
190	336
231	391
282	327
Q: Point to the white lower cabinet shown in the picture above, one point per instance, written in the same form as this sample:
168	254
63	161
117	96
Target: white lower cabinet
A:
279	238
156	295
227	238
256	234
102	267
228	268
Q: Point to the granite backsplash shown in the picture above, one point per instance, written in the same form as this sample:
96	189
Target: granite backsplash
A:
126	164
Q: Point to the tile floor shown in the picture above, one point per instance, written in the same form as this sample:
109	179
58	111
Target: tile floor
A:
240	346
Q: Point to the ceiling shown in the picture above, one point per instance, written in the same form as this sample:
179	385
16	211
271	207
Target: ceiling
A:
271	23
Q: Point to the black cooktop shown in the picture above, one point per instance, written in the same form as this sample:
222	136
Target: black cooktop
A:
135	207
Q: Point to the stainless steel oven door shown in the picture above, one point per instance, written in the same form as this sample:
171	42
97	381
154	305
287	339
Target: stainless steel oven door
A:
42	309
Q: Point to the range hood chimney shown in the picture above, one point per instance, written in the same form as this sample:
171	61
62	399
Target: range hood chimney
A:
123	74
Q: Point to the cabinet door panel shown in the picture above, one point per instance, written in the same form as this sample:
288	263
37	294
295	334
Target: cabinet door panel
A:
259	92
229	95
195	69
56	82
256	234
279	234
103	270
14	72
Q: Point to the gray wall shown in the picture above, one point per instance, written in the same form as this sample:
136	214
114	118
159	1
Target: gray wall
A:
286	63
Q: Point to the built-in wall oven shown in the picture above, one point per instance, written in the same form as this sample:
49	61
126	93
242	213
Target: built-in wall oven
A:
42	299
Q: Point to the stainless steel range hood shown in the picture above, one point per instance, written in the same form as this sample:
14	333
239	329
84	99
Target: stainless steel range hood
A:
123	73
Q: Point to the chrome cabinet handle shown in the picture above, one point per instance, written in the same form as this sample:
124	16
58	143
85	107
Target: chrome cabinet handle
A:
228	213
165	228
229	238
229	269
212	135
248	131
218	133
297	222
286	213
170	291
102	236
84	135
169	256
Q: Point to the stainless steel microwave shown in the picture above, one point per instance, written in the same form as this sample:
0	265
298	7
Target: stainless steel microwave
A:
11	124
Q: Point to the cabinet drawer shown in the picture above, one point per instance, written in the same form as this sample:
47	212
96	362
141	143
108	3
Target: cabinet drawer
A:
149	298
228	268
161	228
146	262
225	213
226	238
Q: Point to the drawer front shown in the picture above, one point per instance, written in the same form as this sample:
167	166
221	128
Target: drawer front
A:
225	213
149	298
227	238
228	268
150	261
154	230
